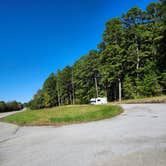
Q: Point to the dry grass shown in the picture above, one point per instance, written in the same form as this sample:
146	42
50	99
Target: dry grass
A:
158	99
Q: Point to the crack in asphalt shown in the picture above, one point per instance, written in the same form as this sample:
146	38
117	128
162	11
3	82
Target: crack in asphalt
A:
11	136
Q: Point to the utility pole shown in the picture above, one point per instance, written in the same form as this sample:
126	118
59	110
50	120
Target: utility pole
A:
59	103
120	89
73	88
96	87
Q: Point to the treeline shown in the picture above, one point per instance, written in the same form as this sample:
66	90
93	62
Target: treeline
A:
130	62
10	106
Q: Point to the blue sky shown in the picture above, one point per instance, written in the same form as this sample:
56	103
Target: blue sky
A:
39	37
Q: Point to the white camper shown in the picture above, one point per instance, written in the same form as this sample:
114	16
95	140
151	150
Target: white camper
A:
99	100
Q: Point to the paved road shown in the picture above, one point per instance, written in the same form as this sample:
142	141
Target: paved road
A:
137	137
8	130
4	114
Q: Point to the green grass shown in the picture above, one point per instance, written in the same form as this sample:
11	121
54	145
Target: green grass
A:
64	115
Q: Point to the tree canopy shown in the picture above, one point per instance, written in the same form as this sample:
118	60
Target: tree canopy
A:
130	57
10	106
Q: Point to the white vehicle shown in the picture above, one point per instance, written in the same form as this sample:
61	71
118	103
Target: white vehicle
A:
99	100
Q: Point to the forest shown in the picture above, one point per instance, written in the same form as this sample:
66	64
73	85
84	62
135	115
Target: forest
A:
10	106
129	63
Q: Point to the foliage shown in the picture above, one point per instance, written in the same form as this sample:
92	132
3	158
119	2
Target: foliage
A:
132	52
38	100
10	106
3	106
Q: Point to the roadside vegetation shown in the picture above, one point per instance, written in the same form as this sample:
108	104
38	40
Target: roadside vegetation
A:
130	62
157	99
64	115
10	106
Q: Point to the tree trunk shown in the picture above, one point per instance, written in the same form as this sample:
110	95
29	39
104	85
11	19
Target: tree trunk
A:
70	98
138	61
73	88
59	103
115	95
120	89
96	87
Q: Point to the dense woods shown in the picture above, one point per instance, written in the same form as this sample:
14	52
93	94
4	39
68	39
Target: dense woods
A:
10	106
130	62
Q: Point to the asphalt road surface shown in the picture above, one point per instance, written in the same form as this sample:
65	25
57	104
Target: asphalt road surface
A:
137	137
4	114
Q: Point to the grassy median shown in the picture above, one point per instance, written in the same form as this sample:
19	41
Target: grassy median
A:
63	115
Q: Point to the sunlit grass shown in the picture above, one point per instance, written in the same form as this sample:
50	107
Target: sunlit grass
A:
64	115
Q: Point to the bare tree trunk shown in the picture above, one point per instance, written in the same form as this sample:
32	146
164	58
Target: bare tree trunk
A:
73	91
105	92
138	61
120	89
70	98
59	103
115	96
96	87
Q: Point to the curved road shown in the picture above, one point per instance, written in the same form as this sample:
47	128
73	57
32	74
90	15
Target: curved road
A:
137	137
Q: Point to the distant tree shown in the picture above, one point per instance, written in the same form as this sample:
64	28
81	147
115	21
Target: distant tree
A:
3	106
38	101
50	91
130	61
154	11
66	85
13	106
112	57
84	72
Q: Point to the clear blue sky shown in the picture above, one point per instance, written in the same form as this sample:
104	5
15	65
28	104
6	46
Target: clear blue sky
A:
38	37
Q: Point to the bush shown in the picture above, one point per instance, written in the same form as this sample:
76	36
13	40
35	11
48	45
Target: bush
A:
10	106
14	105
3	106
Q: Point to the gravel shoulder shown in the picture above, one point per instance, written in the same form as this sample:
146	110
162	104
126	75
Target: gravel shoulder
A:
136	137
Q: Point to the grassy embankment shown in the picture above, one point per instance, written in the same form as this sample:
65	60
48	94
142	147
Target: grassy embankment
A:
64	115
157	99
